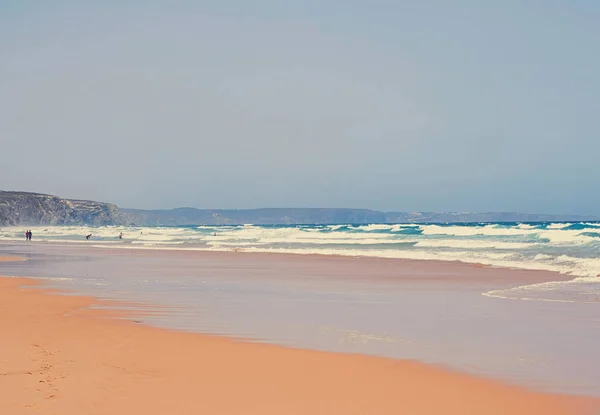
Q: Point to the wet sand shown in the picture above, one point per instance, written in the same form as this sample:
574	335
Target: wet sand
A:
426	311
58	356
314	266
5	258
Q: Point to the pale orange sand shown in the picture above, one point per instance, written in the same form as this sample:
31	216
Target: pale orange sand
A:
10	258
57	358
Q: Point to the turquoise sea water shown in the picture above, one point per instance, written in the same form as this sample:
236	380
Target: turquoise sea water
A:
568	248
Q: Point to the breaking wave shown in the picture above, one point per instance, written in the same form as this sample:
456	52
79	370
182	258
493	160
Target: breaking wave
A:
568	248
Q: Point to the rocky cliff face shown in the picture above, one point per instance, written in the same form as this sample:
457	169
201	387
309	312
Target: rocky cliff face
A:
23	208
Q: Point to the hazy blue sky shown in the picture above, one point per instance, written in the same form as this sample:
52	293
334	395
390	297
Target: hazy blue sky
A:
398	105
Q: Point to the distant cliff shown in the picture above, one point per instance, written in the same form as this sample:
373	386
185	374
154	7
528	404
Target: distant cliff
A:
23	208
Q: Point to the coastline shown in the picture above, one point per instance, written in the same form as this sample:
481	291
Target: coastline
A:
497	278
563	248
61	358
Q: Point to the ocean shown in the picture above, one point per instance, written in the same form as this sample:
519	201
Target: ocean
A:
568	248
343	298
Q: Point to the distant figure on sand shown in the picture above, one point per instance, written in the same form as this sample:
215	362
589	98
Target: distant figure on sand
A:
30	234
89	236
121	235
27	235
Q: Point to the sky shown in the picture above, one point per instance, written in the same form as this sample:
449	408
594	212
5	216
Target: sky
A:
441	105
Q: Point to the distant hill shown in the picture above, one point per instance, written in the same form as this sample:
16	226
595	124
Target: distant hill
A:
24	208
266	216
458	217
307	216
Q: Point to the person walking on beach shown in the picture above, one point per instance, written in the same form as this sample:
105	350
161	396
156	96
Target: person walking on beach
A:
30	234
27	235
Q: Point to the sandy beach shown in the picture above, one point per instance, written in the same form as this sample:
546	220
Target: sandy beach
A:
309	207
6	258
57	356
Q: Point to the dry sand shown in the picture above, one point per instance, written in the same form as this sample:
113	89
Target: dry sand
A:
58	357
10	258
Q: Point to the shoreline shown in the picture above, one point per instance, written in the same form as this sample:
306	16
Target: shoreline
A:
530	276
74	359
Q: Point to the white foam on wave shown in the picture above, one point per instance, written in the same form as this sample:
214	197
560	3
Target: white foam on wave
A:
385	227
577	290
485	230
555	235
558	225
309	241
278	235
473	244
157	243
106	234
494	245
374	227
566	236
526	226
324	235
